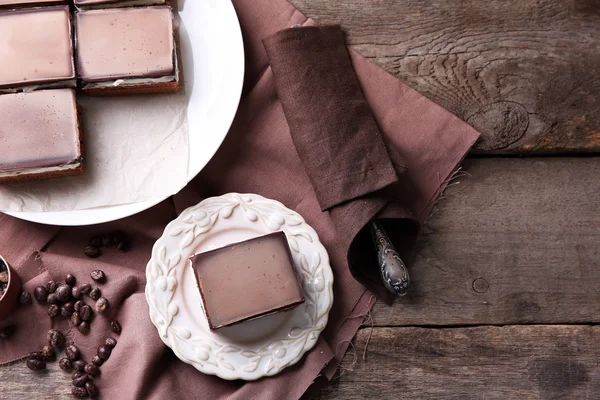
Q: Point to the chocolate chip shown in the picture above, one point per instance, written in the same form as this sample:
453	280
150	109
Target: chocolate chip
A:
65	364
86	313
95	294
51	286
97	361
79	392
69	306
104	352
76	293
55	338
84	328
107	241
52	299
63	292
81	381
96	241
35	364
24	298
110	342
78	305
70	280
92	370
115	326
76	374
92	390
36	355
102	305
53	311
41	294
7	332
72	352
86	288
75	319
92	252
79	365
48	353
98	276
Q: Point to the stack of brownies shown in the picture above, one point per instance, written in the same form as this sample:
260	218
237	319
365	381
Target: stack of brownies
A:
115	48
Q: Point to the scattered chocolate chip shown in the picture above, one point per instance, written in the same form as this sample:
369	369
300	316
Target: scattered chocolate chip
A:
97	361
95	294
75	319
98	276
72	352
124	246
86	313
24	298
102	305
92	370
7	332
110	342
51	286
104	352
52	299
92	390
79	392
35	364
96	241
115	326
41	294
78	305
81	381
55	338
36	355
79	365
85	288
65	364
76	374
84	328
107	241
53	311
3	277
70	279
92	252
76	293
63	293
48	353
69	306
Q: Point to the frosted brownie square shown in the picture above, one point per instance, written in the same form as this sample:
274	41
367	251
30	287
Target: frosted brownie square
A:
39	135
36	48
126	51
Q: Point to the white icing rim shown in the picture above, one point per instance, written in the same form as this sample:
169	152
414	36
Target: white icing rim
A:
40	170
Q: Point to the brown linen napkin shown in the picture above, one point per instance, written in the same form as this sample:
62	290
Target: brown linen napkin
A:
340	145
258	156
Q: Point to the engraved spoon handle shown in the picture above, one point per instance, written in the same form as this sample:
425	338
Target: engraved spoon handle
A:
393	270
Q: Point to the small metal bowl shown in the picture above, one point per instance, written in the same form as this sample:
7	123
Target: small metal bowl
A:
8	302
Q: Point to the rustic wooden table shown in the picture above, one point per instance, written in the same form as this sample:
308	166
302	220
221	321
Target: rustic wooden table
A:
505	299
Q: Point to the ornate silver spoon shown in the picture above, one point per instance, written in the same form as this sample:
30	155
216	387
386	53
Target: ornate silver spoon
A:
391	267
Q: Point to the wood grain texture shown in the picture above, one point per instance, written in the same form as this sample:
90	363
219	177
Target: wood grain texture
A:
513	362
525	73
516	242
18	382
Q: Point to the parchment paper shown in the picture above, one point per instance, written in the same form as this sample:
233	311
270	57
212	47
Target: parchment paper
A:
135	148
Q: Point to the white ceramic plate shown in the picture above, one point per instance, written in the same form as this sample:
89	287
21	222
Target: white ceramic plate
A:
212	53
255	348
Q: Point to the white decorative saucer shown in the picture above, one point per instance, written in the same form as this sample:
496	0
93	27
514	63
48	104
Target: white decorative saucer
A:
252	349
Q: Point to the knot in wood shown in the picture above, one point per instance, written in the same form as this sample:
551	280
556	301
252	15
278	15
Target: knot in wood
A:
480	285
500	124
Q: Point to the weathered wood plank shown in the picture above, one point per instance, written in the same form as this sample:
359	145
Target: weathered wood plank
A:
512	362
516	242
525	73
18	382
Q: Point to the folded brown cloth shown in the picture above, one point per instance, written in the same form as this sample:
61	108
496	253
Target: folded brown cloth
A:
340	145
258	156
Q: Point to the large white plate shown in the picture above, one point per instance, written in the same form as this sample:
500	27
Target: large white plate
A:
251	349
212	53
